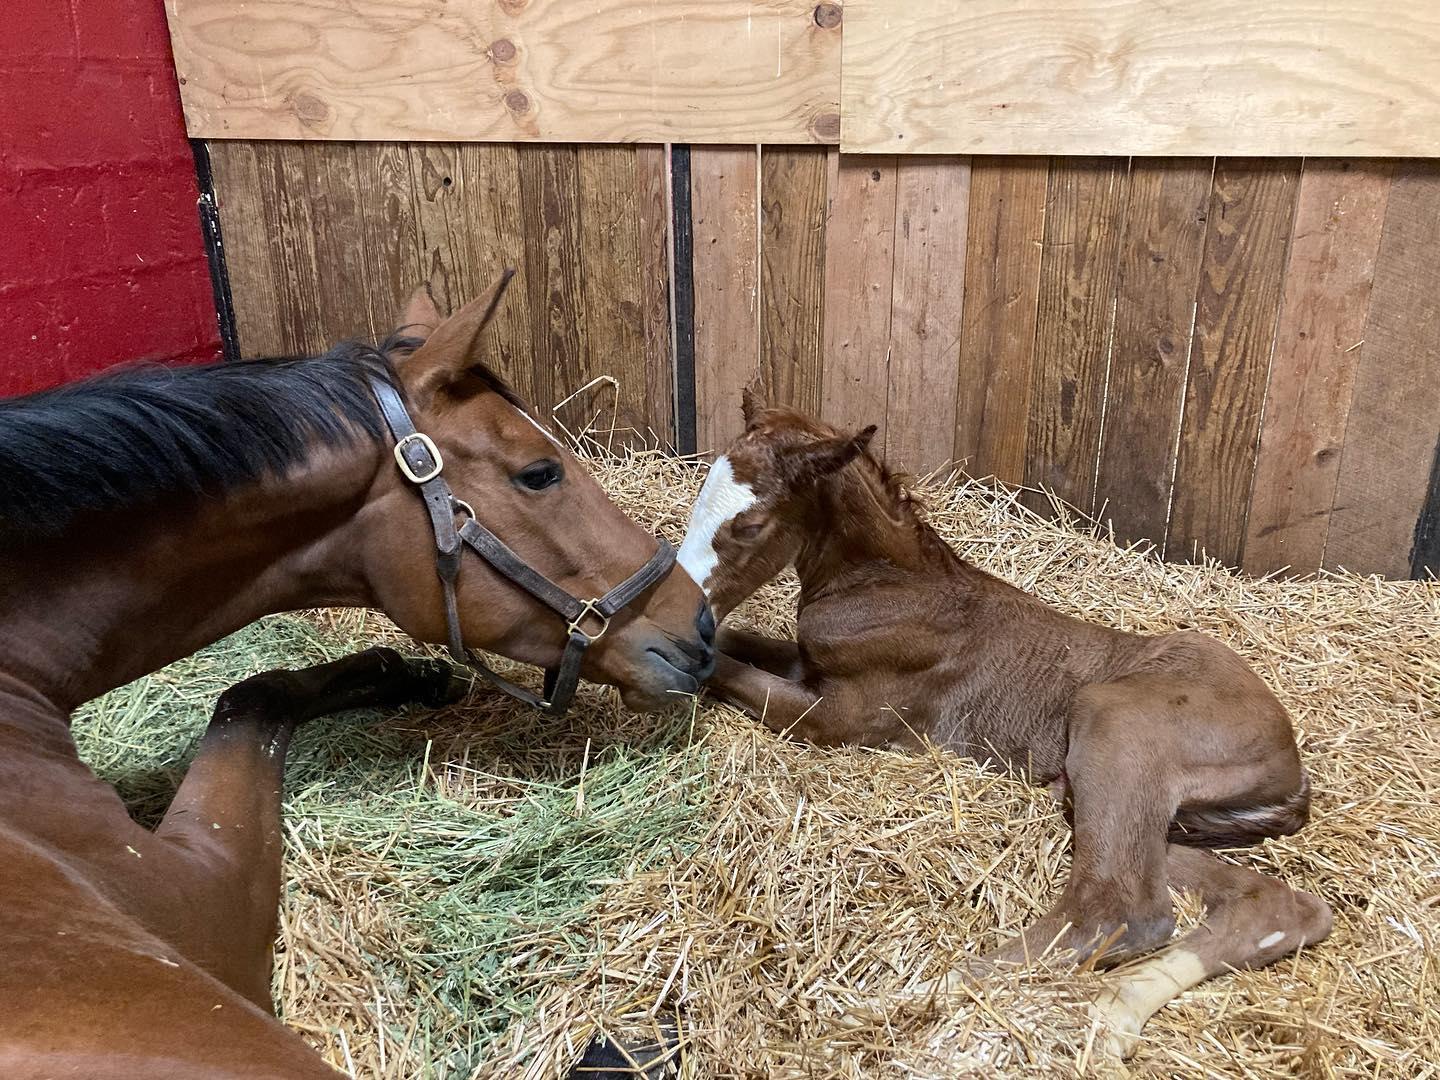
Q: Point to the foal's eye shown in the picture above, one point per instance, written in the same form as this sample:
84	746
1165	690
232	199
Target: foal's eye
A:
746	530
541	475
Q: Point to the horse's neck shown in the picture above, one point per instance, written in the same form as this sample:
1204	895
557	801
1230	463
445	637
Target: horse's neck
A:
119	597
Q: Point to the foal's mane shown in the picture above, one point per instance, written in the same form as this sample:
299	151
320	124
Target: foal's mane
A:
904	509
129	439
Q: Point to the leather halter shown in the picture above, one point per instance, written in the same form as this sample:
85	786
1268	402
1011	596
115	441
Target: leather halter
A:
420	461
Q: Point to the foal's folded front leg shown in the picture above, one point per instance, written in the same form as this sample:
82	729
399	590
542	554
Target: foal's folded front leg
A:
781	704
775	655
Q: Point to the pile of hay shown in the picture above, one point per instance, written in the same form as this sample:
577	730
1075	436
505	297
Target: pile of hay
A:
475	891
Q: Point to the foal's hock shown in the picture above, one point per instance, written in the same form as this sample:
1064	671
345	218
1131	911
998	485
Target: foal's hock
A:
1161	746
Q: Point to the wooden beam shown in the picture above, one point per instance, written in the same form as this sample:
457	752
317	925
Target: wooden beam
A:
481	70
1208	77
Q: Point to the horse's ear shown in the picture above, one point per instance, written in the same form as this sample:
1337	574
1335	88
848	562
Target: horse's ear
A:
750	405
419	317
451	350
817	459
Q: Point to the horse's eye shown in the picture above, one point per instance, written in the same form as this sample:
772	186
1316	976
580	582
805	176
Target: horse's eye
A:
539	476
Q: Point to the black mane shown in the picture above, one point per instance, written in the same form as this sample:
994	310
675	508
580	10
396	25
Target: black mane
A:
147	433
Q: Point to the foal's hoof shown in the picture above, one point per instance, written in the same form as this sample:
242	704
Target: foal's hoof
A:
630	1059
439	683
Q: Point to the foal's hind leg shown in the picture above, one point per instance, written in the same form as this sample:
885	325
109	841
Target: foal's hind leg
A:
226	814
1251	920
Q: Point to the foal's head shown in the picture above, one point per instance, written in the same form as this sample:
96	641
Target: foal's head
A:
533	493
761	500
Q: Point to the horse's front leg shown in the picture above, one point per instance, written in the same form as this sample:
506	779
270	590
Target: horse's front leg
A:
775	655
222	833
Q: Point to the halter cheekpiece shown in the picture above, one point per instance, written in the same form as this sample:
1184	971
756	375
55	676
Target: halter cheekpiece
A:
586	621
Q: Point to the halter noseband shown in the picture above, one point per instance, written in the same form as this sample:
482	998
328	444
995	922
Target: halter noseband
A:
420	462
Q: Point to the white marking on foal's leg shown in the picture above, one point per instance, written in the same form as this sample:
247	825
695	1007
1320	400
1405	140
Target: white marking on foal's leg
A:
721	499
1139	993
1270	939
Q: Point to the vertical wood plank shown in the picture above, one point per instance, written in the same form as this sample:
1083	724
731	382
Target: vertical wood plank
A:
997	334
1252	209
292	246
470	227
859	271
727	319
550	203
1338	220
389	231
793	194
1083	220
1394	422
652	179
332	188
932	210
255	280
1159	269
612	292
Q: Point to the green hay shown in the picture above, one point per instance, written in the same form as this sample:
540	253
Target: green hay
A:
445	857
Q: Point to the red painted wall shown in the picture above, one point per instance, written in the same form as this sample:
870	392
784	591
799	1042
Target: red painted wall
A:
101	258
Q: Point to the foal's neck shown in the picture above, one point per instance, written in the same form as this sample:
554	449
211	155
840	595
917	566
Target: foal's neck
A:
858	521
121	595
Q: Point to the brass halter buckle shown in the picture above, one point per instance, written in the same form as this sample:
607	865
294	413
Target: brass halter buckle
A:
430	448
590	607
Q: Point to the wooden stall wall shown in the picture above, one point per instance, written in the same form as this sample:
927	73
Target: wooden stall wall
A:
1235	356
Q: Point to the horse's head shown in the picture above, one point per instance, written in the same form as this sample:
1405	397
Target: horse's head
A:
757	503
533	494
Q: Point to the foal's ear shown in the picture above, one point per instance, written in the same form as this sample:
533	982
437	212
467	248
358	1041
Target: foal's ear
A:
750	405
817	459
452	350
419	317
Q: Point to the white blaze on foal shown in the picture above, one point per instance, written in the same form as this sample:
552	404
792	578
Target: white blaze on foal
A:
721	500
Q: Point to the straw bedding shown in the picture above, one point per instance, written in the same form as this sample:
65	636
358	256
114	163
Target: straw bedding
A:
475	891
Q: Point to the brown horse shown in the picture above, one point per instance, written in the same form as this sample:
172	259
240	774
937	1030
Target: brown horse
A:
1162	745
145	515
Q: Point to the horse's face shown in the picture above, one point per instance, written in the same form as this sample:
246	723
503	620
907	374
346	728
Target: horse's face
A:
535	495
759	501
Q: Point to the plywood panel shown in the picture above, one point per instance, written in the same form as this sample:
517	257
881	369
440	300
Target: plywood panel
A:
1252	207
1083	219
724	192
1150	348
859	271
1336	77
1394	422
793	194
1317	349
997	333
932	210
479	70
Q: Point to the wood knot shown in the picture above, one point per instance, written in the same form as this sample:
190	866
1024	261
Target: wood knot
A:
828	16
826	127
310	109
502	51
517	101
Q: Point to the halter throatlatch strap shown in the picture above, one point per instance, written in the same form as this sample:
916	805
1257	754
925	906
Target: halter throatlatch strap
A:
586	620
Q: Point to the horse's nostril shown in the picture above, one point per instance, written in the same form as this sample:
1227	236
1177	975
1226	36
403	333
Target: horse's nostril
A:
705	623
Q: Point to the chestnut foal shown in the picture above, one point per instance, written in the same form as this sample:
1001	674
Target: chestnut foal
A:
145	515
1163	745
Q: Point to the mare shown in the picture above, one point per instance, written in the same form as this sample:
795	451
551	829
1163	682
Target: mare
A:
146	514
1161	745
